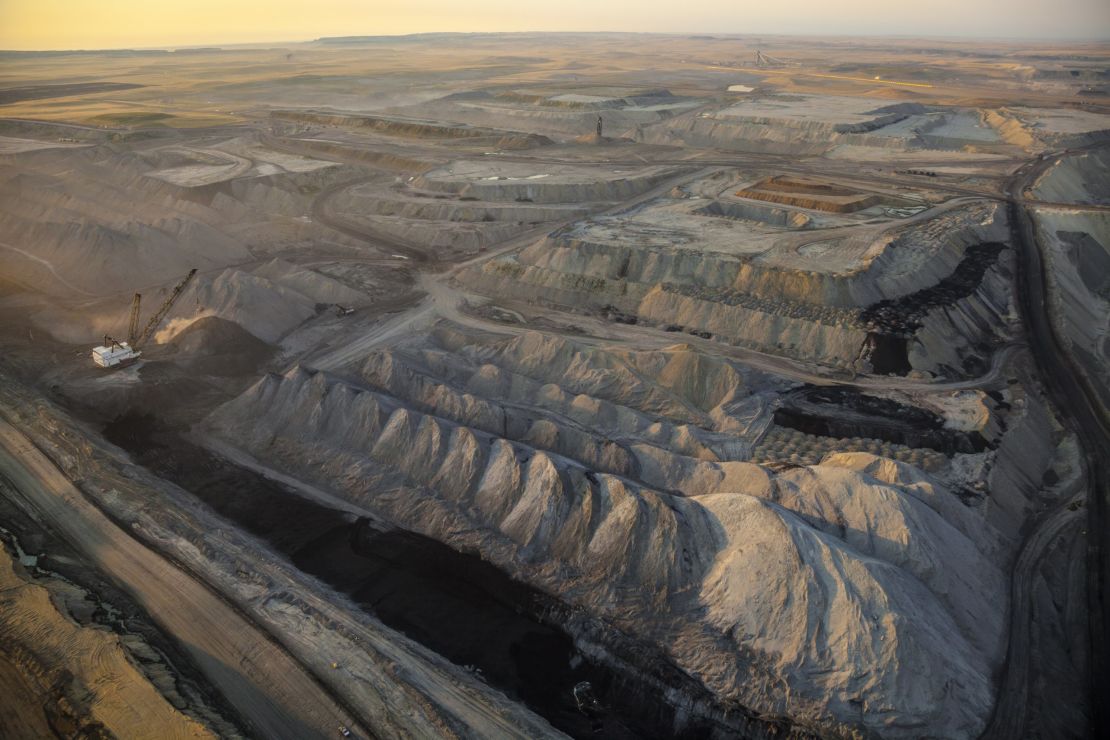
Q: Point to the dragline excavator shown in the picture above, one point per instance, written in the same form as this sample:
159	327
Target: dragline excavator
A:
114	353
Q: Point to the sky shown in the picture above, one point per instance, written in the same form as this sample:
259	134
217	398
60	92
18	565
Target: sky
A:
100	24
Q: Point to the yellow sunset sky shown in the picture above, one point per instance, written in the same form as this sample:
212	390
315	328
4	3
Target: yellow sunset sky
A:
85	24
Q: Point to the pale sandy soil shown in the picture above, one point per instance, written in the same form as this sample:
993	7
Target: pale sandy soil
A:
58	677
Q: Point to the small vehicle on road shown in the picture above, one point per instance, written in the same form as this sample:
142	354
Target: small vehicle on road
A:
588	704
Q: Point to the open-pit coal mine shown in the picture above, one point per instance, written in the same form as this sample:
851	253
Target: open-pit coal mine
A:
542	386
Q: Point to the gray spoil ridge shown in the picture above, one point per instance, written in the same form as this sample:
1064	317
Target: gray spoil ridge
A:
606	529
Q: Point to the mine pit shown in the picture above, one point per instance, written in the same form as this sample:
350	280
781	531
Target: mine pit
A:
903	315
458	605
468	611
887	353
893	323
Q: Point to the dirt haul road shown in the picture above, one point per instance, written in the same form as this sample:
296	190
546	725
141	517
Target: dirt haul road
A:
266	686
1078	404
1010	712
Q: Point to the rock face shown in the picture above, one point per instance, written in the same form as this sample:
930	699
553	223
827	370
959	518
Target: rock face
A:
1082	178
669	266
619	482
466	205
1077	251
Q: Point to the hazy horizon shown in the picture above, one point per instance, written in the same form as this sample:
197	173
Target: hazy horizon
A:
61	25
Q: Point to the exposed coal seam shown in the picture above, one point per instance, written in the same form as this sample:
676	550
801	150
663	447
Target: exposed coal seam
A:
904	316
845	413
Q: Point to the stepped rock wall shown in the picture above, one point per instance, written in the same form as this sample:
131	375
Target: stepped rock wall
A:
878	600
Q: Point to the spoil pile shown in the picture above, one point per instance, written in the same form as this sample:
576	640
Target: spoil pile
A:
746	281
468	205
600	476
214	346
412	128
1082	178
269	301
